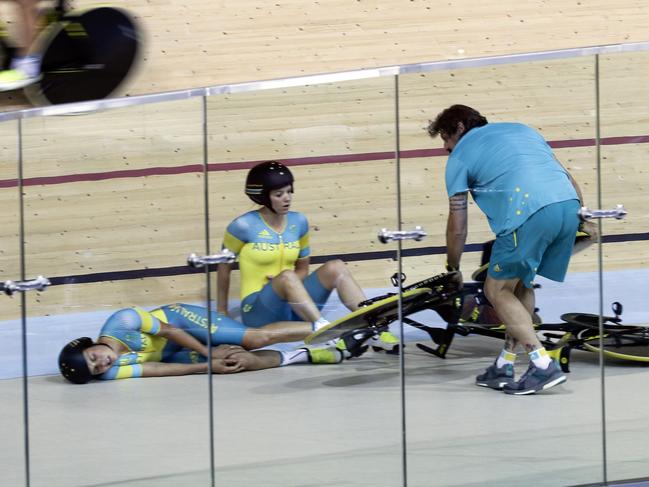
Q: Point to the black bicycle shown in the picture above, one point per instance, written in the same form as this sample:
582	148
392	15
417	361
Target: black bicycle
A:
579	331
86	54
468	312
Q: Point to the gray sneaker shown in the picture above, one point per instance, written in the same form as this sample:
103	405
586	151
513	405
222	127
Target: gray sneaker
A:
535	379
496	377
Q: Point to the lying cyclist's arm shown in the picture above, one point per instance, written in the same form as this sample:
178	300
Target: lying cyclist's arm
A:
182	338
163	369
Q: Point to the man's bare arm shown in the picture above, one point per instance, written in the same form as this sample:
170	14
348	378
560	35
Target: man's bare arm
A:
456	229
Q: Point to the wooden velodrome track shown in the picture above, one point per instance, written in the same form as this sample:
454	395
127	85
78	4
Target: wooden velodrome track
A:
147	220
203	43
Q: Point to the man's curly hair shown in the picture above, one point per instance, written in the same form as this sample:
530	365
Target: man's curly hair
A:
446	121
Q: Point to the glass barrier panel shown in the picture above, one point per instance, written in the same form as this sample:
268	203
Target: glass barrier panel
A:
114	206
327	421
624	176
12	422
457	432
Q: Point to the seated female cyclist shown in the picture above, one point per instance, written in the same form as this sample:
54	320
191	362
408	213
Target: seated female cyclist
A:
171	340
272	245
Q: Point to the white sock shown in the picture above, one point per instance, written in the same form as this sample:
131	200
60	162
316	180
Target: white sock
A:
540	358
299	356
319	323
30	65
505	358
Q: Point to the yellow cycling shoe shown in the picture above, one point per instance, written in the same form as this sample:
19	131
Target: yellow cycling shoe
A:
329	355
14	79
385	341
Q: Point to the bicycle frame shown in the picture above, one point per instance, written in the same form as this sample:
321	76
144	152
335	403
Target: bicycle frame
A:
577	331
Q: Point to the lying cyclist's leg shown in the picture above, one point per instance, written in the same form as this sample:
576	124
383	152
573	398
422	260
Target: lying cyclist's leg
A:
229	331
258	360
266	359
277	332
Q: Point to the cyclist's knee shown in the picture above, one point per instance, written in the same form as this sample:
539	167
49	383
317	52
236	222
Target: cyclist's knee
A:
333	269
521	291
287	278
256	338
492	289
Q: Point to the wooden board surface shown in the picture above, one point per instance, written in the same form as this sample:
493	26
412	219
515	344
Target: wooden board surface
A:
140	218
204	43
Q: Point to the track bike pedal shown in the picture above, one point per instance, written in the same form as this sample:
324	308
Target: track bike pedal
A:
397	280
617	308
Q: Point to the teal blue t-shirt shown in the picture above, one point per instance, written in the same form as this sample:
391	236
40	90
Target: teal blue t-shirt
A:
510	171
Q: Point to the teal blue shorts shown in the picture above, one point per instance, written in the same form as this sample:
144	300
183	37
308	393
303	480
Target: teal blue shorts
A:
542	245
265	306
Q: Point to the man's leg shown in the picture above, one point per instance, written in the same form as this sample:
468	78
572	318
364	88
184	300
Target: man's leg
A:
526	296
513	306
501	372
514	311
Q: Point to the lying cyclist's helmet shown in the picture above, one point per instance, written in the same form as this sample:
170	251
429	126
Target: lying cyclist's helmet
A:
265	177
72	363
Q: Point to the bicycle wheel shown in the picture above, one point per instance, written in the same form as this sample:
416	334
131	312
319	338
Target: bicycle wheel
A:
632	346
86	56
590	320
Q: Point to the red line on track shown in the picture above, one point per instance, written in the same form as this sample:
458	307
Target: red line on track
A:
299	161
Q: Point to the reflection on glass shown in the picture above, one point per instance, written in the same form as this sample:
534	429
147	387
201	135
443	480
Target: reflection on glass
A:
451	420
625	125
113	206
337	140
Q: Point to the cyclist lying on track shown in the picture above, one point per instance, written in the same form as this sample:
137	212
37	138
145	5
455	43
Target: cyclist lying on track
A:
172	340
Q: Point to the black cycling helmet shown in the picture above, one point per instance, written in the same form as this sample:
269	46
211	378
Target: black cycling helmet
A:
72	363
265	177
